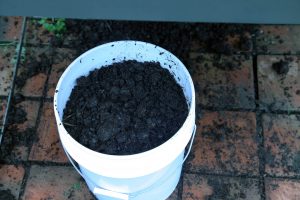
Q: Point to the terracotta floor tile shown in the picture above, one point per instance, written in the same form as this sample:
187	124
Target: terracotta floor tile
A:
226	142
36	33
11	177
32	73
282	189
35	85
48	146
222	38
55	182
279	39
196	187
279	91
10	28
282	144
62	57
223	81
7	54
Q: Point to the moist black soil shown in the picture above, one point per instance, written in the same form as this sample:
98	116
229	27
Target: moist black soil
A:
125	108
12	136
229	63
229	190
215	37
32	66
175	37
281	67
6	195
86	34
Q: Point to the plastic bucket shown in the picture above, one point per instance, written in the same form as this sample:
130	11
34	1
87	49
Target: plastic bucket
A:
150	175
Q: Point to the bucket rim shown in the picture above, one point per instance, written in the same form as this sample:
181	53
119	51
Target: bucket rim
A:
191	113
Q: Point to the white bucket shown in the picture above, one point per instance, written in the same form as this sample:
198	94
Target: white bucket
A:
150	175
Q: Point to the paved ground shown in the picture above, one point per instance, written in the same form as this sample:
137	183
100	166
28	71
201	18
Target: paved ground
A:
248	117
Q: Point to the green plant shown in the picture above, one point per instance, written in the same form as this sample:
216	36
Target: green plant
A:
56	26
76	186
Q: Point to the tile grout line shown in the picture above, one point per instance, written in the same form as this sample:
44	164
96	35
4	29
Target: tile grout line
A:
30	98
263	111
27	167
37	162
261	156
296	177
259	129
228	175
278	54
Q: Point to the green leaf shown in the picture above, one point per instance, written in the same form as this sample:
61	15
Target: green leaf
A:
57	26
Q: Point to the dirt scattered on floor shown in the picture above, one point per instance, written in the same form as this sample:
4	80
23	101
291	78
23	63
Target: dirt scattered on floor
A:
32	67
126	108
229	63
267	40
281	68
16	115
211	38
229	190
218	131
218	38
18	98
83	35
6	195
269	157
12	136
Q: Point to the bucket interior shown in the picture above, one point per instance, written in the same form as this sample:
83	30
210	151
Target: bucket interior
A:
118	52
